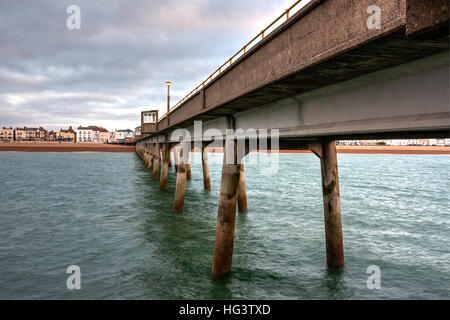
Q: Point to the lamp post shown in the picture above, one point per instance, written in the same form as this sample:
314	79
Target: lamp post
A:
168	84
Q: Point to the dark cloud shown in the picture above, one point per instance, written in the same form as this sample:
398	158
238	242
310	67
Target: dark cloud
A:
116	65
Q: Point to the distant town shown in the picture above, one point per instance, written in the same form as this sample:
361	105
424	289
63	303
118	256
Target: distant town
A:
92	134
397	142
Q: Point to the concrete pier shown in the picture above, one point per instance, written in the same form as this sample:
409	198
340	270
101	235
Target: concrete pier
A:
332	205
319	87
242	194
205	167
164	167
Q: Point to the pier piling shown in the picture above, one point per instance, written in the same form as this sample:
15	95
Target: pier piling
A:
188	166
164	167
176	158
156	156
150	158
226	217
242	194
205	166
180	188
331	205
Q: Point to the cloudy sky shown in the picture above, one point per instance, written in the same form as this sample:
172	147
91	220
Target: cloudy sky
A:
116	65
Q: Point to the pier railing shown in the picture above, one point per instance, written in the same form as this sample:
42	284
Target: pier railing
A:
259	37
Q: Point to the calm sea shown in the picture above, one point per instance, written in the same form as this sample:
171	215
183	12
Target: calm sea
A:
104	213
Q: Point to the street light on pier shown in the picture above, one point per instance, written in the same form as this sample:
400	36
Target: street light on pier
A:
168	84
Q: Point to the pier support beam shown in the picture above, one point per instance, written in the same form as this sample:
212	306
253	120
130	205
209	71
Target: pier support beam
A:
226	217
180	188
242	194
205	166
156	156
331	205
164	167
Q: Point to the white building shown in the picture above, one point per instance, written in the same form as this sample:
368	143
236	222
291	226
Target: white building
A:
88	134
121	135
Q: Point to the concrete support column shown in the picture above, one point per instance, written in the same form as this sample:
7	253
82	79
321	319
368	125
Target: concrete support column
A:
143	154
180	188
156	156
242	194
332	205
188	167
164	167
176	158
226	217
205	166
149	157
170	157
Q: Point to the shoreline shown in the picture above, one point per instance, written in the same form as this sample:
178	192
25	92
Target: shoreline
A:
64	147
431	150
101	147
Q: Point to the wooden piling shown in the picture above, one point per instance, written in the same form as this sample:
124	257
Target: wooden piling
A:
156	156
242	194
180	188
164	167
331	205
226	217
205	166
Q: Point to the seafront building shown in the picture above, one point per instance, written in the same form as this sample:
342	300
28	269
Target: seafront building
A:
66	135
86	134
123	135
396	142
7	134
30	134
103	135
51	136
94	134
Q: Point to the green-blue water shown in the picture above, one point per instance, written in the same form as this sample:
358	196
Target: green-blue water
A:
104	213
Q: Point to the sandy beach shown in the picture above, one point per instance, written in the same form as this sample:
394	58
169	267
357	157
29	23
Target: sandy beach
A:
64	147
100	147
